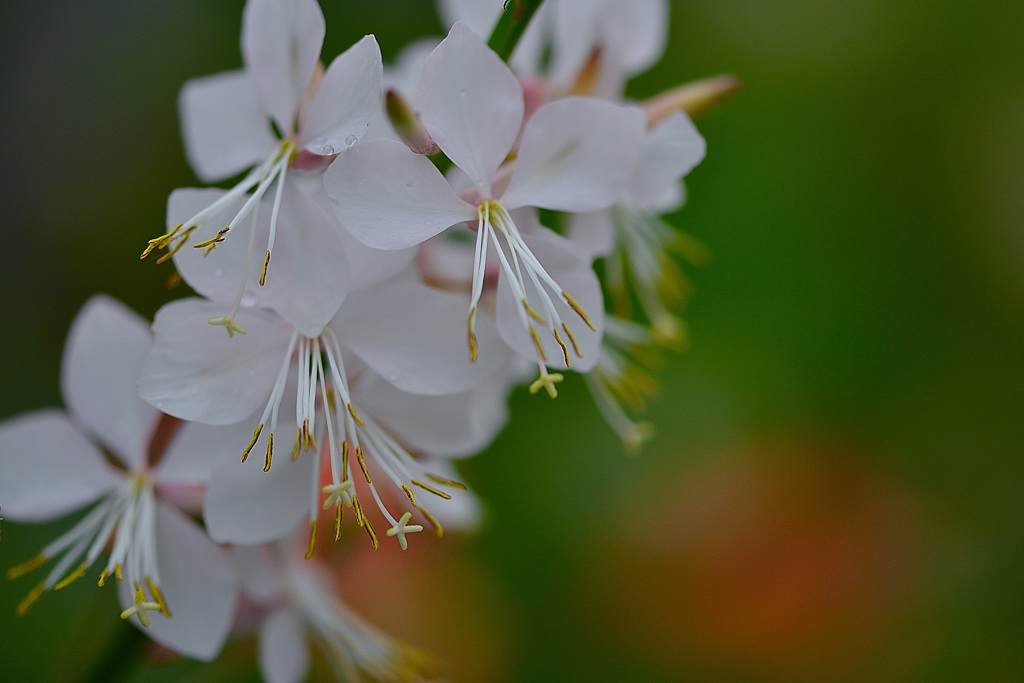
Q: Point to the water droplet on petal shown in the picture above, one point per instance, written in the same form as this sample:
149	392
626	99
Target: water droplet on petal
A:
351	140
327	150
462	92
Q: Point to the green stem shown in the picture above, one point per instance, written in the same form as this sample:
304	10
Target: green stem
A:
513	22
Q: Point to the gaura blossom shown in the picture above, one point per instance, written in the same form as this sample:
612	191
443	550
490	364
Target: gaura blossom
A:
301	606
284	116
575	155
114	450
400	332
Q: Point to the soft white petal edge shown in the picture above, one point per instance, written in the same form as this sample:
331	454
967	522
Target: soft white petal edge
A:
283	650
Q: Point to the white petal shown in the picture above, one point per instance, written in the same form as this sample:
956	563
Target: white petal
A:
669	152
281	41
283	653
572	271
479	16
576	155
415	337
390	198
224	126
592	233
350	95
464	511
49	468
196	372
104	354
447	426
246	505
256	573
196	449
471	104
199	584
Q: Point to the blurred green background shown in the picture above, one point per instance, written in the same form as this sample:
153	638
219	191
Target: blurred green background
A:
835	488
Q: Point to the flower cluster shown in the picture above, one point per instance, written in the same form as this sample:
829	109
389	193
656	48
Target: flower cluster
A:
404	247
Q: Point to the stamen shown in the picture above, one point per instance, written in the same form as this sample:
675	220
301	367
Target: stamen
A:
572	340
534	314
161	241
574	305
155	591
208	245
355	415
561	344
255	436
446	482
270	451
471	325
537	345
431	489
337	521
177	247
408	492
362	464
263	273
140	607
370	532
32	596
433	522
73	576
24	568
312	540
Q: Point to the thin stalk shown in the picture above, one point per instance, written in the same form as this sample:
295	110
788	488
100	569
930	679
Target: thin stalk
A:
513	22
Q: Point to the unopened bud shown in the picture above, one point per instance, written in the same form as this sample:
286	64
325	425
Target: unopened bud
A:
406	123
693	98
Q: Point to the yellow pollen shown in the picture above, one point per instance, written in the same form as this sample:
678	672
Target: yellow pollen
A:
561	344
117	571
534	314
337	521
344	460
431	489
263	275
255	436
408	492
312	540
547	381
298	443
227	323
537	345
26	567
32	596
360	519
103	577
362	464
572	340
181	242
579	310
355	415
371	533
155	591
446	482
161	241
471	324
208	245
433	522
70	578
270	451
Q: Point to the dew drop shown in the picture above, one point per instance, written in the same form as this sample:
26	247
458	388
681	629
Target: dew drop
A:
351	140
327	150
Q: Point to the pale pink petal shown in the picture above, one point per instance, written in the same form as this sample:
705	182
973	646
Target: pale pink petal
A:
350	95
283	650
390	198
104	354
471	104
281	41
669	152
576	155
225	128
198	373
246	505
414	336
49	468
568	266
198	583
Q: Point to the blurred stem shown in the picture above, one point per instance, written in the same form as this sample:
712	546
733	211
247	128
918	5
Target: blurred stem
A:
122	655
513	22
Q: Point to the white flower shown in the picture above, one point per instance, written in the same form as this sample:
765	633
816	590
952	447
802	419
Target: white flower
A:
50	465
226	121
575	155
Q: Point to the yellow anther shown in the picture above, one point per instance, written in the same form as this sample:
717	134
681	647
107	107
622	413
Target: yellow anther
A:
408	492
355	415
579	310
431	489
182	239
371	533
337	521
117	571
208	245
572	340
73	576
141	606
263	275
537	345
255	436
362	464
403	528
298	444
433	522
547	381
471	325
270	451
161	241
103	577
155	591
561	344
312	540
229	324
26	567
532	313
306	436
360	519
446	482
32	596
344	460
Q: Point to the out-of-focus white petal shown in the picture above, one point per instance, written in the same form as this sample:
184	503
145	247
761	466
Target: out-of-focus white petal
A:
414	336
471	104
479	16
198	583
224	126
49	468
104	354
256	573
669	152
572	271
576	155
196	448
281	41
196	372
246	505
283	653
464	512
390	198
593	233
451	426
350	95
